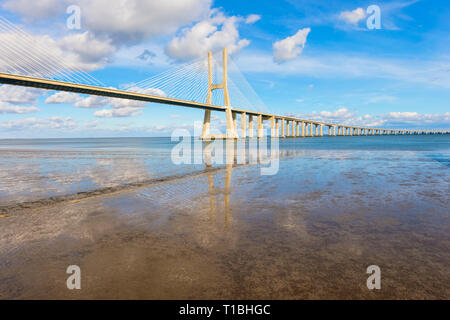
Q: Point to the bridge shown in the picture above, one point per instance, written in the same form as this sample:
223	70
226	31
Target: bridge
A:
29	65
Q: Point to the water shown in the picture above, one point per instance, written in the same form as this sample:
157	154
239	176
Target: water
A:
142	227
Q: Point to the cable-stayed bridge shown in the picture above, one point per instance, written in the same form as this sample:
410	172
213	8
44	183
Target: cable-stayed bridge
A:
207	84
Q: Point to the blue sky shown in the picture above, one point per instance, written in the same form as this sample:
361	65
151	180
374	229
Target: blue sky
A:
314	59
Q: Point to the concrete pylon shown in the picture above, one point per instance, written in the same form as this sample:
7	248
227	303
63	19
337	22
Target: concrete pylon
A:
231	123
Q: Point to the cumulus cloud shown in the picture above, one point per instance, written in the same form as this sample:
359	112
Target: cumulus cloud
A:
395	119
252	18
353	17
132	21
41	55
120	107
416	118
150	91
125	21
92	102
211	34
19	95
291	47
9	108
55	122
88	49
33	11
63	97
118	113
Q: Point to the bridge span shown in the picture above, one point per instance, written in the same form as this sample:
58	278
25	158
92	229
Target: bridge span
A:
290	126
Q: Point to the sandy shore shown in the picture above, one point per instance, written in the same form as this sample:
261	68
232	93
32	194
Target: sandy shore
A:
289	236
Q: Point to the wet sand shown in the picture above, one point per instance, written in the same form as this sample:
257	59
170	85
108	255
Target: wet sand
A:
308	232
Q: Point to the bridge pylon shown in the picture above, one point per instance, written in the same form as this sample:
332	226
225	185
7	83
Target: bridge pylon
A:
231	128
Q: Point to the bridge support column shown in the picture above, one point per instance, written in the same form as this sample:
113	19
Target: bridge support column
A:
272	127
243	125
282	129
297	129
321	130
260	127
235	135
206	132
250	126
277	127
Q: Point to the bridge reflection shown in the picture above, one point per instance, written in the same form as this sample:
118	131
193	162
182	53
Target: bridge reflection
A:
237	156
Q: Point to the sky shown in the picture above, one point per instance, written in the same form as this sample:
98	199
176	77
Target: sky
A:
335	61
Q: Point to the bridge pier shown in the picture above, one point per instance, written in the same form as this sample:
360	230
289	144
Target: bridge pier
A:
277	128
243	125
260	127
272	127
250	126
234	124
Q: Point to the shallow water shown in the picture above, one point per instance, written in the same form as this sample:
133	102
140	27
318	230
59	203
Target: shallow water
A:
335	207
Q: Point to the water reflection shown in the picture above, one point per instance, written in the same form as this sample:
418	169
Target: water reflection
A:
238	153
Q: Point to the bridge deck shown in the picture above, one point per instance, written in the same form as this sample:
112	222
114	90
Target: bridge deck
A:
26	81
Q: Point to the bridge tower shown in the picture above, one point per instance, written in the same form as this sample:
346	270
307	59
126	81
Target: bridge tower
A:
231	128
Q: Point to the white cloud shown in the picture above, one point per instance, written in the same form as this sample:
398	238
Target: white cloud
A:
391	119
87	49
92	124
8	108
92	102
212	34
33	10
353	17
252	18
63	97
125	21
175	116
126	103
55	122
120	107
416	118
132	21
43	56
19	95
150	91
118	113
291	47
